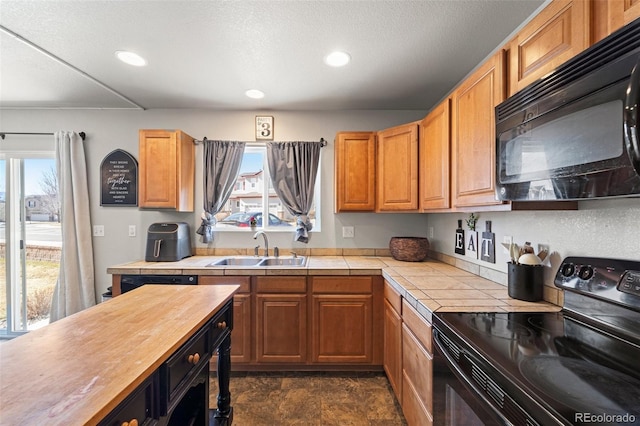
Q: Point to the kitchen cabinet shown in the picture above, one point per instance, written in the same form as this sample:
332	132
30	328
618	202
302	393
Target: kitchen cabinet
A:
611	15
397	169
556	34
355	171
473	134
345	313
417	368
434	148
281	319
392	360
242	336
167	170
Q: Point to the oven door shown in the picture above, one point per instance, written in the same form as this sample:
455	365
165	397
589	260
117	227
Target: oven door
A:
456	399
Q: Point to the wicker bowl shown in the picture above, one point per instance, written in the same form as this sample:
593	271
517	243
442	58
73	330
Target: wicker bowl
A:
409	249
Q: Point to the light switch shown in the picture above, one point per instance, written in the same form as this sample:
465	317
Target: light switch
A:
348	232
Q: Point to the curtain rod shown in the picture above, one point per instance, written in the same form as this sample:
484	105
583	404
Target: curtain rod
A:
83	135
323	142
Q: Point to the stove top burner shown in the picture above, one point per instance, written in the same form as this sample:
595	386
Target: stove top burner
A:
582	385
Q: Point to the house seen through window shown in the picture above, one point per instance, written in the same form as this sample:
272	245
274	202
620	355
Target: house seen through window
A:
253	198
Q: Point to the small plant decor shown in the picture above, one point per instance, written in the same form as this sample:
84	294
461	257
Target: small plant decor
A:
471	222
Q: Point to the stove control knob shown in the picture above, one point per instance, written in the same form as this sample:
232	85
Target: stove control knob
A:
567	269
586	272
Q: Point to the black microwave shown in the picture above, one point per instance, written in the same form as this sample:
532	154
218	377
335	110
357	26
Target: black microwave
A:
573	134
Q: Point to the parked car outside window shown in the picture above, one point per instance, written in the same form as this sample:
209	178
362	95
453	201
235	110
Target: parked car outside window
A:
243	220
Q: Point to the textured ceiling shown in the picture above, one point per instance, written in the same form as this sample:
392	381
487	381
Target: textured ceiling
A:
206	54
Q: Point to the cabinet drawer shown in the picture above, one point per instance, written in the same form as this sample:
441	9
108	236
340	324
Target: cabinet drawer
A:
243	282
281	284
221	325
137	406
393	297
418	325
417	371
342	285
178	370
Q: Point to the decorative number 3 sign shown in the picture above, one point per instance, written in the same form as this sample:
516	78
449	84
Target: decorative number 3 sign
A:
264	128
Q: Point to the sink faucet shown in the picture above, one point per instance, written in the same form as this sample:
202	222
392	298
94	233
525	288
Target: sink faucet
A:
266	241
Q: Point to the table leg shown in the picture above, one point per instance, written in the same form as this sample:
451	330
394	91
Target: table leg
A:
224	413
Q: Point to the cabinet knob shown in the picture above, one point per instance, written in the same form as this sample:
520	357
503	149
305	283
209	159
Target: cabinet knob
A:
222	324
193	359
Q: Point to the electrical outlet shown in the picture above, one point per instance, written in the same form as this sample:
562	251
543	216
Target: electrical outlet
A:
348	232
431	232
98	230
542	247
132	230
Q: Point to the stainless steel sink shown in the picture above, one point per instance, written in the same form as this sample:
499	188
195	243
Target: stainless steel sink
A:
237	261
244	261
283	261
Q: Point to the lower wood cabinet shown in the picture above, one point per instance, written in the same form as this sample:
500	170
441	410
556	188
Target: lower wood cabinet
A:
281	320
417	368
393	339
242	336
343	312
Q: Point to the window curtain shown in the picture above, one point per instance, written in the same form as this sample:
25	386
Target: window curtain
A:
293	167
221	163
75	288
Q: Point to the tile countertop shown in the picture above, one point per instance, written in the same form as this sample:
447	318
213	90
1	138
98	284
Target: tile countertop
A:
429	286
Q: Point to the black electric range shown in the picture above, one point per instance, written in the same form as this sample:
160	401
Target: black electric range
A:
577	366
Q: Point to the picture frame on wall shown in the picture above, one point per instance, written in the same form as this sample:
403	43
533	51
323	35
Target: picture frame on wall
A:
264	127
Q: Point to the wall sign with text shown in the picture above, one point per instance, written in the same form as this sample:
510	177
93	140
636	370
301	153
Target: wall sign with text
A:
264	127
119	179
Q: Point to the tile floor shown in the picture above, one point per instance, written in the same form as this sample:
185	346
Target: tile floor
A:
310	399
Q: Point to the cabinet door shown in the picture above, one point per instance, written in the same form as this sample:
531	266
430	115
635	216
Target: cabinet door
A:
355	171
167	170
397	171
435	145
241	334
342	328
281	328
558	33
611	15
393	348
473	134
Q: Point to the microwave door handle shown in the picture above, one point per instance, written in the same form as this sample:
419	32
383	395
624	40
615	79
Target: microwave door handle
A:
631	119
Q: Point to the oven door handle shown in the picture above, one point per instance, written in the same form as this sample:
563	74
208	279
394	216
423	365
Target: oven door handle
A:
460	375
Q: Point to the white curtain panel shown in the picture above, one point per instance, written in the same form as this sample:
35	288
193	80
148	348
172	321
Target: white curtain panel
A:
75	289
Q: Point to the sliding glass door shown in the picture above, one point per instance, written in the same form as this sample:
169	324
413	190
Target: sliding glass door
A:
30	240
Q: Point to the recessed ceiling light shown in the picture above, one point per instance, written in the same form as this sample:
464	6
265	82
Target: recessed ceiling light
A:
131	58
254	94
337	59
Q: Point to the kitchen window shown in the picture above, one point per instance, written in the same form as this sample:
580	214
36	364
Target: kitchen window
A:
253	198
30	238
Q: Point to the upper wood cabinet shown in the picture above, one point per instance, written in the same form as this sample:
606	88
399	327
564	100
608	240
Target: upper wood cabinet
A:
355	171
435	145
473	134
397	171
611	15
556	34
167	170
